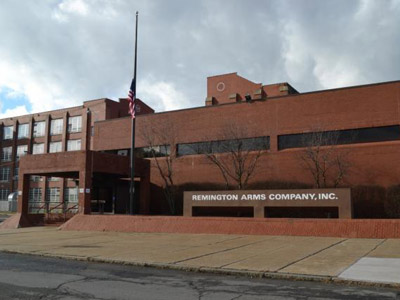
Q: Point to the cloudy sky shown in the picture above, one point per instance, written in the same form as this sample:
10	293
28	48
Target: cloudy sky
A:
59	53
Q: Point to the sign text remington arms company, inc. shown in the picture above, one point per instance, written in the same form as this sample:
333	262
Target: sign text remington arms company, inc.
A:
264	196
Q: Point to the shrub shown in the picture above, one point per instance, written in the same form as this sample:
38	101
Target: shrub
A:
368	202
392	203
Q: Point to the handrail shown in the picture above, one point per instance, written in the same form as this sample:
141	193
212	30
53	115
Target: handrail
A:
55	207
70	208
66	209
47	208
41	207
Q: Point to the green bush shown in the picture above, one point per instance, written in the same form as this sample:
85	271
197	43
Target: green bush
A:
368	201
392	203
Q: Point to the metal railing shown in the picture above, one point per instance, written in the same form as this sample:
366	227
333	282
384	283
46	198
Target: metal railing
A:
50	207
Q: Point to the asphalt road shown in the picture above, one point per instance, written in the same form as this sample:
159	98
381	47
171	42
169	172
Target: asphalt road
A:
34	277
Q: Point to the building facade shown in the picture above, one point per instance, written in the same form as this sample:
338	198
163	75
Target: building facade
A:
362	124
59	131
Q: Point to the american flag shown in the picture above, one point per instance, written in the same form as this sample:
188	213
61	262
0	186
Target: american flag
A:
131	98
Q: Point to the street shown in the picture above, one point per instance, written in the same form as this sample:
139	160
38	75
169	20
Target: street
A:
35	277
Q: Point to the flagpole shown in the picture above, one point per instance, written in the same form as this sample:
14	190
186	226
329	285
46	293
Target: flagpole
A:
132	204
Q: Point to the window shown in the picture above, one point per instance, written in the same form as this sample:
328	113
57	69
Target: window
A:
22	150
56	126
339	137
36	178
7	132
74	145
75	124
53	178
6	154
39	129
249	144
23	131
53	194
157	151
124	152
4	174
16	173
35	195
4	194
38	148
55	147
71	194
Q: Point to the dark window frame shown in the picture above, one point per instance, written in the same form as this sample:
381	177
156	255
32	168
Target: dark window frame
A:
341	137
222	146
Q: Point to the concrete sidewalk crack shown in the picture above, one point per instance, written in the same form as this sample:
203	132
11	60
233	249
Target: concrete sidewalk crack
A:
248	257
228	239
384	240
220	251
312	254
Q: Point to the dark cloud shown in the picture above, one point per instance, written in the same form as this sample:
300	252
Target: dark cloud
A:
60	53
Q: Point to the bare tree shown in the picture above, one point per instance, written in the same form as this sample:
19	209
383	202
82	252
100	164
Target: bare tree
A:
235	155
327	163
160	139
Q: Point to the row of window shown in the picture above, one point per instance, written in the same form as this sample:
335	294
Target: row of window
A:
72	145
301	140
37	178
39	128
339	137
5	176
53	194
248	144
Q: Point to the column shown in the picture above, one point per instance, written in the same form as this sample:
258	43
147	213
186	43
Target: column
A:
64	134
47	135
23	193
85	184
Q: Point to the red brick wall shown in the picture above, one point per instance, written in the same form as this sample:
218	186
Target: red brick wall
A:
296	227
365	106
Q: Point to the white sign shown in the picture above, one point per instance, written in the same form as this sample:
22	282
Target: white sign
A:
81	191
265	196
229	197
304	196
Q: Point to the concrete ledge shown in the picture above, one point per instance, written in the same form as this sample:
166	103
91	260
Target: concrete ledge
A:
360	228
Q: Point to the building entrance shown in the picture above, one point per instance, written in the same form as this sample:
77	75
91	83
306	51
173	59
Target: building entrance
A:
111	195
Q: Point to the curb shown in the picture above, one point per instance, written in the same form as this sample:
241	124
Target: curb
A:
218	271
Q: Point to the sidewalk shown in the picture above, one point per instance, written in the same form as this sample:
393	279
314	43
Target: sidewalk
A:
315	258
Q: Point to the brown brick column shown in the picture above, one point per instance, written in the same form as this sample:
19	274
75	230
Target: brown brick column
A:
86	113
30	138
14	162
64	133
23	193
47	134
85	184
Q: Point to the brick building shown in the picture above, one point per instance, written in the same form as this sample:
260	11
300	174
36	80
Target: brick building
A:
365	120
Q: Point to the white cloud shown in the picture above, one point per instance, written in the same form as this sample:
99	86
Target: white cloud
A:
13	112
44	93
74	6
161	95
61	53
